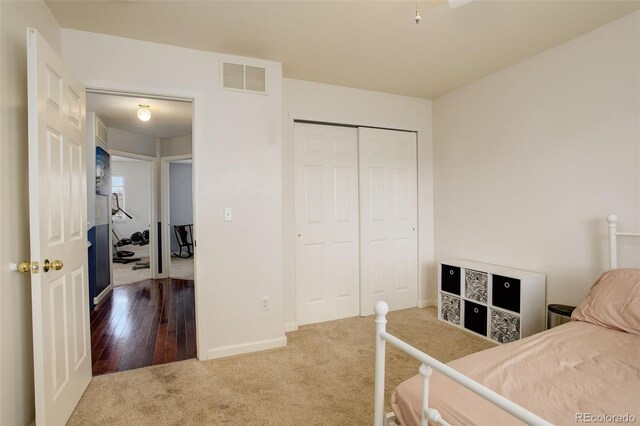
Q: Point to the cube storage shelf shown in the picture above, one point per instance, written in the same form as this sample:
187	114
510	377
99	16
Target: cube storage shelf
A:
499	303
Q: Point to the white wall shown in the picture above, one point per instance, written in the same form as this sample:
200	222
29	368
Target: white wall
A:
334	104
181	198
530	160
121	140
137	190
237	163
179	145
17	406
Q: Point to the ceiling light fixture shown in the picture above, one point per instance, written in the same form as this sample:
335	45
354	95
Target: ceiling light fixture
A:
457	3
418	18
144	112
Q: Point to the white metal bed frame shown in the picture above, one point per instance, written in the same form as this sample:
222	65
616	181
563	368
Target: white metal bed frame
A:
612	220
429	363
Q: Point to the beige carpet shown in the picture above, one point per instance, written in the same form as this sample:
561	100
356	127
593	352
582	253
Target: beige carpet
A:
124	274
181	268
324	376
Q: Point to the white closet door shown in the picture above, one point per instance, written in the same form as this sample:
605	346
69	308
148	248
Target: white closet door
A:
326	193
388	219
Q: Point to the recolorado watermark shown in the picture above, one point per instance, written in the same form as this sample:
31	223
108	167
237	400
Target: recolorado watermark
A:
605	418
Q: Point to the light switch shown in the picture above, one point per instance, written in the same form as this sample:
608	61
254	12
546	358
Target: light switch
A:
228	214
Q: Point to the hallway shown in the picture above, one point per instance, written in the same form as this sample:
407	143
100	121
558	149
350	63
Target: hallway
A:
147	323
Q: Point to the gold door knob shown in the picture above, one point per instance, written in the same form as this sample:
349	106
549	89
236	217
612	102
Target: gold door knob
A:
24	267
56	265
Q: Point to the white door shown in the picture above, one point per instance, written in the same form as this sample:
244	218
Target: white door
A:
58	217
388	219
326	194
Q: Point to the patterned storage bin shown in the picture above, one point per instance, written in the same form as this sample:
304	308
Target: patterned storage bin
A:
505	327
476	285
450	309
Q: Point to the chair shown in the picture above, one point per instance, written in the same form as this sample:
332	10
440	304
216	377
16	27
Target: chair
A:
184	237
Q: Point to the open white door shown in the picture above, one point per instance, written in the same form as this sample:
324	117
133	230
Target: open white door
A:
58	217
388	219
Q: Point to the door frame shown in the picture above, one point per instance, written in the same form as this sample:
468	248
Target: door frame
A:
165	207
153	233
196	97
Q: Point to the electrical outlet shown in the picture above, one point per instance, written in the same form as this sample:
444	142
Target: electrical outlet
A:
266	304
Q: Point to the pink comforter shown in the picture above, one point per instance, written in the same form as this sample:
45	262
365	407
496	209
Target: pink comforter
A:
563	375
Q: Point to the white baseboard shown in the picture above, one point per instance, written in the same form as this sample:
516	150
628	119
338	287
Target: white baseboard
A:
246	348
427	303
102	295
290	326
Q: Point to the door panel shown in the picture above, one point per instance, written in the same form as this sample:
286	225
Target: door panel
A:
57	209
79	288
327	246
313	182
388	219
75	173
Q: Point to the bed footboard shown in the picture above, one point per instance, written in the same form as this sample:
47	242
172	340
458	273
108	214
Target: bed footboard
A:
426	368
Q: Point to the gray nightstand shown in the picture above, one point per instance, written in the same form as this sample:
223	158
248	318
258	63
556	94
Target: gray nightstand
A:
558	314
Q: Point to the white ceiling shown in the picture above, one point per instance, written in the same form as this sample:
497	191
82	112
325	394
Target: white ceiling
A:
373	45
168	118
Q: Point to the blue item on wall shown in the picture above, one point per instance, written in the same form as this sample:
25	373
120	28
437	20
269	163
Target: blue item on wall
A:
99	253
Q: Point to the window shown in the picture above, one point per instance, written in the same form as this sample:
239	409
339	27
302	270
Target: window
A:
117	190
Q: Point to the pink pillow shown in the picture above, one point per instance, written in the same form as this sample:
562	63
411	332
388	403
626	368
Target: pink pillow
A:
613	301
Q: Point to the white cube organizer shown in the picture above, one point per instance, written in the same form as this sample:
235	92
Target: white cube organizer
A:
495	302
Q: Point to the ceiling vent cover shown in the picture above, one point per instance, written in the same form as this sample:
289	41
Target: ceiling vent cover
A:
243	77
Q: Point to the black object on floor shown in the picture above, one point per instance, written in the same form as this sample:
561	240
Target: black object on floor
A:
126	260
184	237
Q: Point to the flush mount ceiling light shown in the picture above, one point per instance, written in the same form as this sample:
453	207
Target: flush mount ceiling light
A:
457	3
453	4
144	112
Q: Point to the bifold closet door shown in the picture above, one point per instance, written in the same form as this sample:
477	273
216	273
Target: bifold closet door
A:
388	219
326	204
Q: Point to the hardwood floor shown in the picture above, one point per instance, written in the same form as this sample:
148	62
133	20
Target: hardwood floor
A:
142	324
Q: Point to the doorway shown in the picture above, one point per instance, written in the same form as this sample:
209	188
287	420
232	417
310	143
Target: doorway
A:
177	207
143	317
131	218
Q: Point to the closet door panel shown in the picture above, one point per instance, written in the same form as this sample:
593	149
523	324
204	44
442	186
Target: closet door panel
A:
327	244
388	218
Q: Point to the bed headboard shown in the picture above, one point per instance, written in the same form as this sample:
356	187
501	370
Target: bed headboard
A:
612	220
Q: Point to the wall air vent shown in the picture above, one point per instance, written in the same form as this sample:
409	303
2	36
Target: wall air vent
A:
243	77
